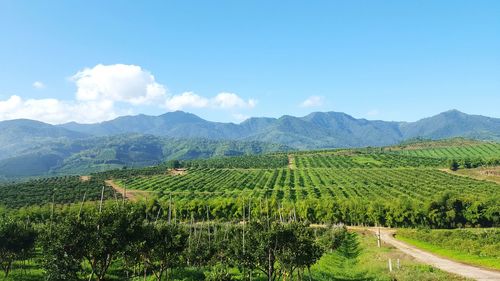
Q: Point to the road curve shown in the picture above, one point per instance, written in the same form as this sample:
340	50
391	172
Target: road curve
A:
465	270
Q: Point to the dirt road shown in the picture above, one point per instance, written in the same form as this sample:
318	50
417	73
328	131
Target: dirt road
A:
465	270
132	195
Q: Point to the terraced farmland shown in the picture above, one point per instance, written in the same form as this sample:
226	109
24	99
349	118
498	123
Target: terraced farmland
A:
484	151
354	159
299	184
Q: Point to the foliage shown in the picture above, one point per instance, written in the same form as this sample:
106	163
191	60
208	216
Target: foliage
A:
17	242
56	190
245	162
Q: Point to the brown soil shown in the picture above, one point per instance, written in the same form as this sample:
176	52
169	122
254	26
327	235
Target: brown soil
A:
84	178
291	162
177	172
132	195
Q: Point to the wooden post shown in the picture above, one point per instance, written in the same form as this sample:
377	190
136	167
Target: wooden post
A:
170	209
243	226
398	264
124	195
378	238
390	265
81	205
102	196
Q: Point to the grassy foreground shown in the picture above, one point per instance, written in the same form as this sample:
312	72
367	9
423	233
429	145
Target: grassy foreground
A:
479	247
372	264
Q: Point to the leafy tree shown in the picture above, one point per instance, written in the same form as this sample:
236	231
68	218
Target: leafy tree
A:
62	246
17	242
163	248
454	165
107	235
174	164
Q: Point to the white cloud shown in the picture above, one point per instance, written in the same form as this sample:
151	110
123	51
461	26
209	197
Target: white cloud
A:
108	91
38	85
187	99
118	82
55	111
231	100
312	101
220	101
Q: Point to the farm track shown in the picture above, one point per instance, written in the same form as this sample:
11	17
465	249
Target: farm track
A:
132	195
478	174
465	270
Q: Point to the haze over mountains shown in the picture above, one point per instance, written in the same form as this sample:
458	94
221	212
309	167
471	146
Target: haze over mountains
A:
139	140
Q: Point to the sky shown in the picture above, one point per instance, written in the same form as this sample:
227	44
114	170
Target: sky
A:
90	61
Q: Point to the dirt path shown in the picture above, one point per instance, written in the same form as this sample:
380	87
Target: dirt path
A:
132	195
469	271
84	178
291	162
483	173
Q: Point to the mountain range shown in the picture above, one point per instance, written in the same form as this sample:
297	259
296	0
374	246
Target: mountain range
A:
143	140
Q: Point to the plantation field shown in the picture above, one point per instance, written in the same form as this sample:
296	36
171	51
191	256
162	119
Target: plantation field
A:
473	246
58	190
474	151
251	161
363	160
299	184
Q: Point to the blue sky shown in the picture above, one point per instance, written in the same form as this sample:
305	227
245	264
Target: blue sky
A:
226	60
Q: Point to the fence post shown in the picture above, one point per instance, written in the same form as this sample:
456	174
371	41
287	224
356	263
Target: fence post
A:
378	238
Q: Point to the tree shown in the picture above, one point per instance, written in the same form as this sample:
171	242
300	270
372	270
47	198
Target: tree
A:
174	164
454	165
163	248
62	250
349	248
17	242
107	235
276	249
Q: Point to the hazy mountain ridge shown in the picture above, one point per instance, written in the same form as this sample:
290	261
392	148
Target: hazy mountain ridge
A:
316	130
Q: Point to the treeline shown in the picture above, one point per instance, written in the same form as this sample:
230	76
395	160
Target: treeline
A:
444	211
468	163
131	241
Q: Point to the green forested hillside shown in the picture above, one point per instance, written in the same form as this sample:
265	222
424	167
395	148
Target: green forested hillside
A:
88	155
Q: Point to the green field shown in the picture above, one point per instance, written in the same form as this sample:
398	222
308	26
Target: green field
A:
299	184
474	150
58	190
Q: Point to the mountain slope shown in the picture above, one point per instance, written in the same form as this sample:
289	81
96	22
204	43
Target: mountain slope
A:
19	136
83	156
453	123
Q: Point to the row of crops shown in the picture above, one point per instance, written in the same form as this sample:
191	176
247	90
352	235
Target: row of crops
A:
242	162
364	160
299	184
484	151
58	190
